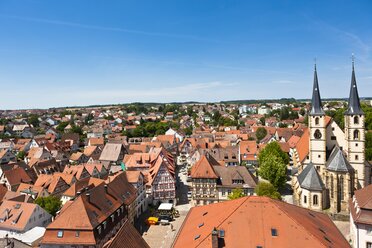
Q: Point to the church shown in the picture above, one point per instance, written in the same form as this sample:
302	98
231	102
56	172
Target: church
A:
335	165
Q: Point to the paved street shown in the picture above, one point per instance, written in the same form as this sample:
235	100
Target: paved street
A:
158	236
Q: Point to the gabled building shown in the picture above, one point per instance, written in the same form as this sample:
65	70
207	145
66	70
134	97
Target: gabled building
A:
361	218
102	211
204	181
20	217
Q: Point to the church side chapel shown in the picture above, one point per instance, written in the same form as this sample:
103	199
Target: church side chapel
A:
335	166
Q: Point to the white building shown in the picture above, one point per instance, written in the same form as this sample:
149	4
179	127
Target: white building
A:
263	110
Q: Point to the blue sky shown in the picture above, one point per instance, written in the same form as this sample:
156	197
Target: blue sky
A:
65	53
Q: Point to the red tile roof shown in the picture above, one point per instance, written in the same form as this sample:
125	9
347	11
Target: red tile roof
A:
249	222
204	168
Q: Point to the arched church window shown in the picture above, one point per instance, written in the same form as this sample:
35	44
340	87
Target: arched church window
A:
331	186
317	121
342	188
356	120
315	200
317	134
356	134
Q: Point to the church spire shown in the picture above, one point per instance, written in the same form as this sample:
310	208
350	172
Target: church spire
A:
316	102
354	102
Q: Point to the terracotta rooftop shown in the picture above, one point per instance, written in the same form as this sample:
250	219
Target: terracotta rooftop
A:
256	221
204	168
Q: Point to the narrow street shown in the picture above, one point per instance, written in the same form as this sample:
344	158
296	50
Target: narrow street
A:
159	236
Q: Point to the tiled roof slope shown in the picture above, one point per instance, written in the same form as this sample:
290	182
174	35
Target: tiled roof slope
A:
248	222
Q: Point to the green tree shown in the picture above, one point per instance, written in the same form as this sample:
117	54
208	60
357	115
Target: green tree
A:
273	164
368	145
274	170
273	148
284	114
236	193
262	120
34	120
21	155
261	133
51	204
76	129
267	189
61	126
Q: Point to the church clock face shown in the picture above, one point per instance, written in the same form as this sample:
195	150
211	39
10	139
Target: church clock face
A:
317	134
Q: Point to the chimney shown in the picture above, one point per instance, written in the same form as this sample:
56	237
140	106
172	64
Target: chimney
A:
215	238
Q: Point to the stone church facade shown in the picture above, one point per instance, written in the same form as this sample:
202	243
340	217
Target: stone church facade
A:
336	165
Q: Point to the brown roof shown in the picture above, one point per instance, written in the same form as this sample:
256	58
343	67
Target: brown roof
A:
248	150
230	173
16	176
362	200
92	210
89	150
81	184
3	190
250	222
204	168
96	141
127	235
51	183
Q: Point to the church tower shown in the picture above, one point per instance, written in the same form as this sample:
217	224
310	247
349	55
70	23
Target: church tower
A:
355	135
317	129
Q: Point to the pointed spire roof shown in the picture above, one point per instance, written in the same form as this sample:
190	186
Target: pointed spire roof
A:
316	102
338	162
309	178
354	102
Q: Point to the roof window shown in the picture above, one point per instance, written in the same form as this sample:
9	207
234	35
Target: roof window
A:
60	234
196	237
274	232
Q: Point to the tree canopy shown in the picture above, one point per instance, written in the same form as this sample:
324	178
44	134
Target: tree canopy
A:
261	133
236	193
273	164
267	189
51	204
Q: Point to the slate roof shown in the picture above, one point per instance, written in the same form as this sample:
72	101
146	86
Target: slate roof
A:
316	102
310	179
338	162
354	102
